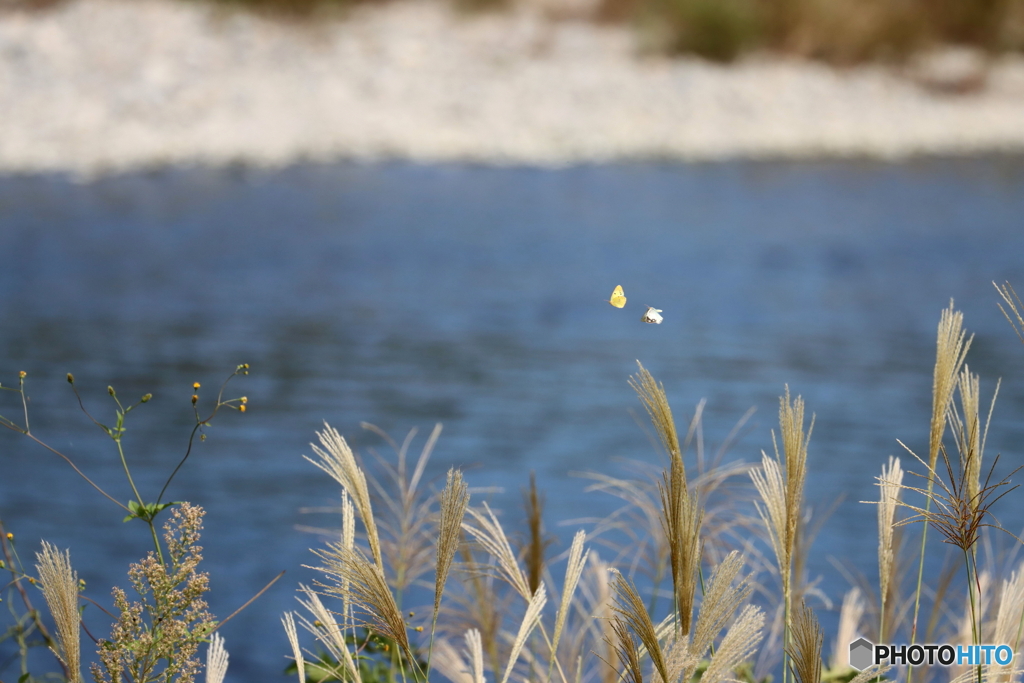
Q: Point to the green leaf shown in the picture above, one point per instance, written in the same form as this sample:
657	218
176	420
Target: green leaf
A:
148	511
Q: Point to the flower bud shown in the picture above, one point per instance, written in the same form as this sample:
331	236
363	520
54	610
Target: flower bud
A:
146	398
71	378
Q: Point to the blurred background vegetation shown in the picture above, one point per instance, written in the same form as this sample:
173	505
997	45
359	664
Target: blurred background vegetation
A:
840	32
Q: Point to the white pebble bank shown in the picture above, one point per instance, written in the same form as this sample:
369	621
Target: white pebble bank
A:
111	85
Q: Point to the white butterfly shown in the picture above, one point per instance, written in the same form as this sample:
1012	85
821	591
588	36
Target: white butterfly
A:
652	315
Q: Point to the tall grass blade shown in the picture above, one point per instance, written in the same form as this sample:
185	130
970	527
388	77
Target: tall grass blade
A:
288	621
630	607
338	460
1013	302
217	659
60	588
530	620
890	483
850	615
573	571
805	647
491	537
721	600
738	645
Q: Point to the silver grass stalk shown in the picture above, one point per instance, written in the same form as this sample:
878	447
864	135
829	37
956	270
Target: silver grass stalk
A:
652	395
738	645
530	620
491	537
850	615
630	606
476	654
805	648
288	621
682	515
338	460
1013	302
369	591
794	446
783	496
573	570
626	651
217	659
348	521
950	350
454	500
1008	622
454	666
328	632
348	541
890	484
680	660
721	600
772	488
325	628
60	588
450	663
597	587
968	431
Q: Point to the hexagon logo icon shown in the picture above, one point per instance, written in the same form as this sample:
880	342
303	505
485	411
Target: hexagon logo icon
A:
860	654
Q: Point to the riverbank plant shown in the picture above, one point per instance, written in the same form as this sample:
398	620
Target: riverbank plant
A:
704	576
154	638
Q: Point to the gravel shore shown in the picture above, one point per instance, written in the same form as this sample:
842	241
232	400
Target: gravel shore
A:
111	85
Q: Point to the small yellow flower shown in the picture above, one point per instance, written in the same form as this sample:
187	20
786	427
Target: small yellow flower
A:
195	397
22	374
419	629
32	580
241	409
195	385
412	614
10	536
244	400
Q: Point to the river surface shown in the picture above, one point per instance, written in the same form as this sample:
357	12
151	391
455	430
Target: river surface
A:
405	295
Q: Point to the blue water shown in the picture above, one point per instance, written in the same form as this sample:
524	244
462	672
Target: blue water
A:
406	295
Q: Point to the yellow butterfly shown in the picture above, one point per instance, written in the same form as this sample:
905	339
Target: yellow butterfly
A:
652	315
618	299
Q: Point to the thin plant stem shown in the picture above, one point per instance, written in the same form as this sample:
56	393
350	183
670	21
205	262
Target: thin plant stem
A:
24	402
68	460
430	646
920	571
975	636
